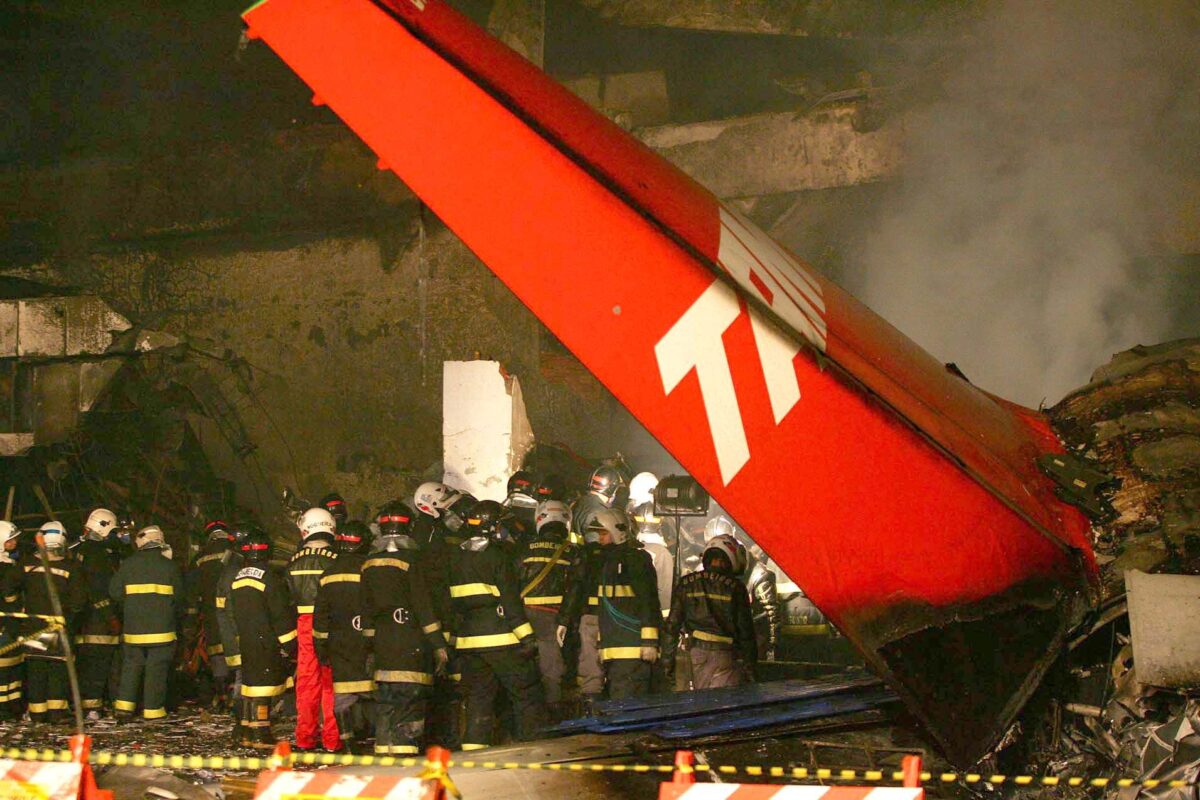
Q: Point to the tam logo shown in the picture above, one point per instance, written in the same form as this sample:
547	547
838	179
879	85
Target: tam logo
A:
694	342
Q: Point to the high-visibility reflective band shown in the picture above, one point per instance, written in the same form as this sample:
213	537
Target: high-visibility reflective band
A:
350	687
154	713
124	705
432	627
341	577
521	631
148	638
220	602
263	691
37	708
617	653
96	638
90	704
385	562
617	591
666	612
395	749
305	609
8	698
57	705
12	661
216	649
456	677
403	676
474	590
8	687
368	632
472	746
546	560
650	633
208	558
704	636
544	600
320	634
709	596
449	637
593	601
62	573
818	629
249	582
257	723
287	637
306	572
12	598
234	660
481	642
149	588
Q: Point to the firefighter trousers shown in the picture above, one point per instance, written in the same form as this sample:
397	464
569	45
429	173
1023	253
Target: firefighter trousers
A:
254	721
484	673
400	717
715	669
550	656
95	662
145	670
591	671
46	688
314	694
628	677
12	671
445	708
355	714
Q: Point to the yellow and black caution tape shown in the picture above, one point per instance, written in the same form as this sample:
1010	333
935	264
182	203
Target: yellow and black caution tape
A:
753	771
23	615
20	640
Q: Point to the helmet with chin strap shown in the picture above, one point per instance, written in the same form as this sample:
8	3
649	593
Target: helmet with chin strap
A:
100	523
725	553
353	537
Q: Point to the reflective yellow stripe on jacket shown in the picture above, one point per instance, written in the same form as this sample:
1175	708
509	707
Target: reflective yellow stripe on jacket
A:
474	590
149	588
148	638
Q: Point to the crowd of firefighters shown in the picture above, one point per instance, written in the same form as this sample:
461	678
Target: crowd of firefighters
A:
445	621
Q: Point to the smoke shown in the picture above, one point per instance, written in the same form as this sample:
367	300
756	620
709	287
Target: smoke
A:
1058	151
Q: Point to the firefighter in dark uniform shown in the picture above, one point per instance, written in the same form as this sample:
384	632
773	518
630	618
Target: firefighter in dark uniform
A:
546	565
46	678
712	608
578	613
338	635
148	588
522	506
492	636
266	626
602	492
100	627
335	504
202	592
227	625
408	641
629	614
11	660
314	682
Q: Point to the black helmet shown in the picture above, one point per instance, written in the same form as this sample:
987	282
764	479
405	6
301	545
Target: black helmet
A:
218	530
485	519
522	482
126	527
605	481
550	487
335	504
353	537
253	542
395	519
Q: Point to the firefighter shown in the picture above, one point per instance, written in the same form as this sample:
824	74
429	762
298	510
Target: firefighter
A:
226	625
649	533
11	658
577	619
100	628
550	487
335	504
206	571
629	615
446	506
546	566
495	641
148	588
314	682
603	484
46	677
266	630
712	608
763	586
641	490
522	506
407	641
338	636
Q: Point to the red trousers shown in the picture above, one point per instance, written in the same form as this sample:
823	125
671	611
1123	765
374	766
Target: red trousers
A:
314	693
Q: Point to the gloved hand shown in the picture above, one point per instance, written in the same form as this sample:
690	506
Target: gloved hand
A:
529	648
649	653
440	659
560	634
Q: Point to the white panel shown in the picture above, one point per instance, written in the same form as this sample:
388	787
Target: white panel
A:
485	432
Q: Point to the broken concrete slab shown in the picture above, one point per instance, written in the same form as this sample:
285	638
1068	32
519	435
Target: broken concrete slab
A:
1164	619
56	327
485	431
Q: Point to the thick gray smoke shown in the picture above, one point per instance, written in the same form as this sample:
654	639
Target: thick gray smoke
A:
1058	152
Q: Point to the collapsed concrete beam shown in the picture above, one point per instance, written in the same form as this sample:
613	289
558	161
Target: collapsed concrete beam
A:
772	153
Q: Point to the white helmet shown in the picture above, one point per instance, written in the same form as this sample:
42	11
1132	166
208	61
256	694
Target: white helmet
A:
149	536
615	521
731	548
54	536
717	526
641	489
316	521
100	523
8	532
432	497
552	511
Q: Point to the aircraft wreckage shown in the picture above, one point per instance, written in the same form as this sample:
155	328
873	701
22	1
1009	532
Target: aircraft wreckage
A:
912	507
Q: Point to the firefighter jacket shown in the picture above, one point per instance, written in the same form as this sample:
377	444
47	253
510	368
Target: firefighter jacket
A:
485	600
149	589
434	561
714	610
266	625
304	573
10	629
30	583
582	512
99	623
202	590
223	610
764	599
581	597
397	604
545	566
338	635
628	593
664	567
